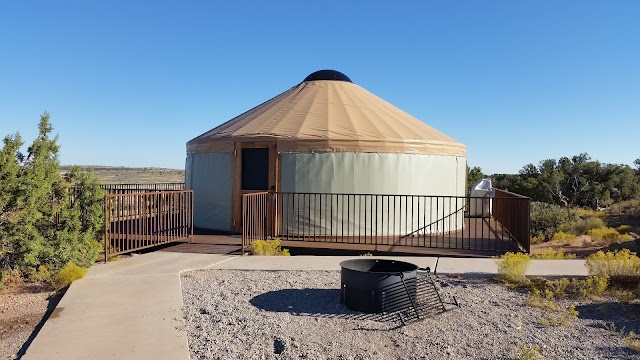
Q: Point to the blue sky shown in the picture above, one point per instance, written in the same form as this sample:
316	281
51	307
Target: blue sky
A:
128	83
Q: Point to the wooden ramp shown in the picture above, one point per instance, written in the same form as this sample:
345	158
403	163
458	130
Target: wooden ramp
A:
208	244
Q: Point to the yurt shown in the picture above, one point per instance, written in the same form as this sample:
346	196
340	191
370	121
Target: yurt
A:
324	135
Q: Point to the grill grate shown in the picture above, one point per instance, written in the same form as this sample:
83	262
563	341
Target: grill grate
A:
428	301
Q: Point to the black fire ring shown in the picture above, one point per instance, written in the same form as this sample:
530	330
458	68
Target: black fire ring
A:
378	285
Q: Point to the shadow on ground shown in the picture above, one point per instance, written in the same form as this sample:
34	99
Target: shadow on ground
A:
51	305
317	302
619	315
321	303
325	303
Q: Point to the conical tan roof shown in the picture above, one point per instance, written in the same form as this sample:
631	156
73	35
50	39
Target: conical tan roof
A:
325	116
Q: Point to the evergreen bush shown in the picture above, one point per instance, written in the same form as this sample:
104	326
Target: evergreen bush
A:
547	219
582	226
46	220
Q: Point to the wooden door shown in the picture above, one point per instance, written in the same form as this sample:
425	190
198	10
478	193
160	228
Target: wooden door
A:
255	169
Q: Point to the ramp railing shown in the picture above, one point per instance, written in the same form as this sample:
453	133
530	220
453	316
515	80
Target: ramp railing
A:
142	220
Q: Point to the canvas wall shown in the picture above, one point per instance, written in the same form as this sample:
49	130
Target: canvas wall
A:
210	177
372	173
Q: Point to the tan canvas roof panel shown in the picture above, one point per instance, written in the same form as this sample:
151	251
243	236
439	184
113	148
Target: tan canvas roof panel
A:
329	115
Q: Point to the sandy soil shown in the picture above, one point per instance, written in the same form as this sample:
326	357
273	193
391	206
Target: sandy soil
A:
22	309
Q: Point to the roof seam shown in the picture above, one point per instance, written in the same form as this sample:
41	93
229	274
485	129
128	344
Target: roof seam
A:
287	107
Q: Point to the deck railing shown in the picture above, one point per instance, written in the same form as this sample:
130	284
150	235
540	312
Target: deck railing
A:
141	220
138	188
255	218
389	222
513	212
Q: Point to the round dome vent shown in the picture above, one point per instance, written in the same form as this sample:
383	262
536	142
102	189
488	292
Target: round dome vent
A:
328	75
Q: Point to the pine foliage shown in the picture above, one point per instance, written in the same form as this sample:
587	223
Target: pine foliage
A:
46	219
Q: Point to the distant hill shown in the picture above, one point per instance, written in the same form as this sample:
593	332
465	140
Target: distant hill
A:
132	175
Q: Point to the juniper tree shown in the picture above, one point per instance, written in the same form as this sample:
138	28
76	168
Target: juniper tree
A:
9	174
47	219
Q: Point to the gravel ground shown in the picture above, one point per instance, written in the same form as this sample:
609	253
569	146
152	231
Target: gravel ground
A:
21	310
297	314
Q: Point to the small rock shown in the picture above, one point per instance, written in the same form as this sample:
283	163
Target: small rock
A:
278	346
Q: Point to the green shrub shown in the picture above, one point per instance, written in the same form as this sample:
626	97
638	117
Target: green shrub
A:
43	275
551	254
593	286
268	248
547	219
607	236
620	266
623	229
632	342
564	238
546	300
54	219
623	296
537	239
68	274
563	317
560	287
629	207
582	226
512	267
590	213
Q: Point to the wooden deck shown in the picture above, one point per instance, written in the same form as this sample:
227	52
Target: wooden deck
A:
480	238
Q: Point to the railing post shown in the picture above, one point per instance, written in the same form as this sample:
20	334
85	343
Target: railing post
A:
528	225
191	213
107	225
244	221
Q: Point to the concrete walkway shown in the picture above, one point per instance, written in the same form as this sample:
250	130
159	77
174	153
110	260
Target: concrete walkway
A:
132	308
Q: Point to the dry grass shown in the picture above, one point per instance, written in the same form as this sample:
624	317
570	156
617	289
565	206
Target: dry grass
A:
622	266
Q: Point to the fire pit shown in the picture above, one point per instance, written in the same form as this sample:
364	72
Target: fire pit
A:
378	285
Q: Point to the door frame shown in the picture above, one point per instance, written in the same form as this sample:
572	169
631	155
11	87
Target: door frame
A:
237	192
